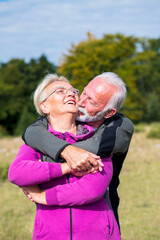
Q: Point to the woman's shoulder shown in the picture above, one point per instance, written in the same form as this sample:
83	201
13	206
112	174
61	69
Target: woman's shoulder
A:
27	151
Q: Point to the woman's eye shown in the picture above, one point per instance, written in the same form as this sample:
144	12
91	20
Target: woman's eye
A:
60	91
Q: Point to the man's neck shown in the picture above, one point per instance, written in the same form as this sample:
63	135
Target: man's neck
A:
97	123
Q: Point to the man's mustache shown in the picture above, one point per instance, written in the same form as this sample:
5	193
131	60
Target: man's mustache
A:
82	110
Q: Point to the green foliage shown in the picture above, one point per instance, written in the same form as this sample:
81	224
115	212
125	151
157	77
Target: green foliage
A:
154	131
3	131
18	80
153	106
94	56
135	60
26	118
141	127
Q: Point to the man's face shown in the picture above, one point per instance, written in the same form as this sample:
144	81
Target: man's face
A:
94	99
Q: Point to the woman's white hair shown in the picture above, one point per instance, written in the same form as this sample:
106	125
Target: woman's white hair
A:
119	96
40	94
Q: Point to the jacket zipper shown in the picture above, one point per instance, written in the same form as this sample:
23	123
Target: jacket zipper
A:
70	208
70	215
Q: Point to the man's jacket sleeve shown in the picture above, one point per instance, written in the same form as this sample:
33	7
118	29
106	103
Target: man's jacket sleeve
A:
37	137
116	137
112	136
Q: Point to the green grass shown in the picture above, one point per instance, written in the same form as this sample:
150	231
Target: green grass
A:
154	131
17	213
141	127
139	192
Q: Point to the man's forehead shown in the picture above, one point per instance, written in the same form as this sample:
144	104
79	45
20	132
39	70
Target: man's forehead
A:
100	85
97	86
99	90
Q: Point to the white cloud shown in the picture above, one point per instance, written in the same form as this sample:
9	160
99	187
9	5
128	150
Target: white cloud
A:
30	28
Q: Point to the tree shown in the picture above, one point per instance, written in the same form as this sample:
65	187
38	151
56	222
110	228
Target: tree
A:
94	56
12	84
135	60
18	80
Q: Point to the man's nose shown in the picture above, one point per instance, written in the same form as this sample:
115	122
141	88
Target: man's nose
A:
82	101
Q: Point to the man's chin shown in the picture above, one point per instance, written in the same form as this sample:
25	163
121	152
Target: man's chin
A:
81	118
84	118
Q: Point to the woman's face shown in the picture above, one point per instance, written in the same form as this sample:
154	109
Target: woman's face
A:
62	100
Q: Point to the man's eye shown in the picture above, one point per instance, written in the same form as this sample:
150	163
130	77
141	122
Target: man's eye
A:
92	102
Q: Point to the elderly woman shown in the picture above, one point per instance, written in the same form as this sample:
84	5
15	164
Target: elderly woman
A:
68	206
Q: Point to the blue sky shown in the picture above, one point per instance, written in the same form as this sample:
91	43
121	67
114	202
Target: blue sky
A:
29	28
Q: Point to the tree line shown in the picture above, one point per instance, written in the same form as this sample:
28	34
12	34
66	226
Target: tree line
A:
135	60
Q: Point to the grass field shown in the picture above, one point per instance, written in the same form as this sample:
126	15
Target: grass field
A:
139	191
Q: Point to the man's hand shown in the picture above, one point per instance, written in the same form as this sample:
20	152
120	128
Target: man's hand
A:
35	194
80	160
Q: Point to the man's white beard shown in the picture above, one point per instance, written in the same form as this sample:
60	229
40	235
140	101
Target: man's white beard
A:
88	118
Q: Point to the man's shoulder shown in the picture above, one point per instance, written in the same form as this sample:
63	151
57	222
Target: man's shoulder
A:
119	120
41	121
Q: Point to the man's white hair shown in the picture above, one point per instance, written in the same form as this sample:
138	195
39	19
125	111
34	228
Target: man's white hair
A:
40	94
119	96
116	100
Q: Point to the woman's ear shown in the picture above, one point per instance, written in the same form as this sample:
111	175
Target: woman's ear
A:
110	113
44	108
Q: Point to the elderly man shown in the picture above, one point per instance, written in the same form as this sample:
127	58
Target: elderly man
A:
98	106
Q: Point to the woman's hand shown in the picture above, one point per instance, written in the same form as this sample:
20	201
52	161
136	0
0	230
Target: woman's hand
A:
65	168
35	194
81	160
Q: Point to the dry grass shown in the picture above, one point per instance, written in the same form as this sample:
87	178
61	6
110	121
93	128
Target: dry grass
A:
17	213
139	191
9	148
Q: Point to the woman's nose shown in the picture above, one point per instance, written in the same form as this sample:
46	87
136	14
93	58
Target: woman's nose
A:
70	92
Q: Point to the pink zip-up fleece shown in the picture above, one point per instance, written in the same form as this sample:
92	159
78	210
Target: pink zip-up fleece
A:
76	208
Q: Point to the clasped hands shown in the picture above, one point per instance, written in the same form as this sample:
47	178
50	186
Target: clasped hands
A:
79	163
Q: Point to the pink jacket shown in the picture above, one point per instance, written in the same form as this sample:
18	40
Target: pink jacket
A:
76	208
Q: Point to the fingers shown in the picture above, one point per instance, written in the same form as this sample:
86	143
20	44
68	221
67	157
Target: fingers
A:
84	165
89	164
81	160
101	165
94	163
95	156
28	195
